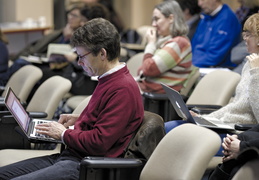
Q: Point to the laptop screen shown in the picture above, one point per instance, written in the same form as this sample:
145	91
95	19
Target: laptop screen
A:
17	110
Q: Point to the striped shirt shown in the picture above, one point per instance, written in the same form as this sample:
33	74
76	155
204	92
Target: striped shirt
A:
169	61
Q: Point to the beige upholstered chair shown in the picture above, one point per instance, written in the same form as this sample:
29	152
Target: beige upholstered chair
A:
43	104
23	80
214	89
134	63
183	153
9	156
249	171
48	96
190	83
74	101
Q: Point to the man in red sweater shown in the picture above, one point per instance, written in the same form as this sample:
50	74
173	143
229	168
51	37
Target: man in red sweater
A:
106	125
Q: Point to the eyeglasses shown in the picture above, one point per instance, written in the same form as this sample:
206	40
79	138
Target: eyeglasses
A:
246	34
72	15
81	57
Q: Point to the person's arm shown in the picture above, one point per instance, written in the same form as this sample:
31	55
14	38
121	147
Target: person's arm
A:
253	60
165	58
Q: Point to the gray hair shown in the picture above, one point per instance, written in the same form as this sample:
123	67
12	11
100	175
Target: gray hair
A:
179	26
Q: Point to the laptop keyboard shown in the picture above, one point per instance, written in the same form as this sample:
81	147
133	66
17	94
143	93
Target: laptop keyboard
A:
37	134
203	121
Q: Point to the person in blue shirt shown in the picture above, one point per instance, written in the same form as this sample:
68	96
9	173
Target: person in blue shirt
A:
218	31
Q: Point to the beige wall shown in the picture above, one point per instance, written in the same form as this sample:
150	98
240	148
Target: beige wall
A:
20	10
135	13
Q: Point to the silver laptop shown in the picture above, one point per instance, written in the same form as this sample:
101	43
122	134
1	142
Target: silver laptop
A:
183	111
26	123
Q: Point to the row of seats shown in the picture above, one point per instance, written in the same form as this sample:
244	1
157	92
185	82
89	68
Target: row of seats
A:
230	85
43	104
176	154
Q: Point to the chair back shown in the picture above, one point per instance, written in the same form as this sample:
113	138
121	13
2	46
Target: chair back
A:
183	153
23	80
81	106
249	171
191	80
48	96
142	30
134	63
215	88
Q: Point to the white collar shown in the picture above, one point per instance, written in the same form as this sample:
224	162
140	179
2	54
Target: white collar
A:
116	68
216	10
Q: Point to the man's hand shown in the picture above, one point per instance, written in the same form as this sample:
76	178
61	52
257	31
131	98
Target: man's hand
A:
68	119
52	129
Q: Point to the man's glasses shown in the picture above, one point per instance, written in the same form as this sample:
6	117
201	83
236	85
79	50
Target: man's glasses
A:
81	57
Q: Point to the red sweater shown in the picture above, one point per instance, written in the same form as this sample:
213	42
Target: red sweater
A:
112	116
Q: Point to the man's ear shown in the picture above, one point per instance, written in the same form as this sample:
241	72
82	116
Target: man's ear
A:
103	54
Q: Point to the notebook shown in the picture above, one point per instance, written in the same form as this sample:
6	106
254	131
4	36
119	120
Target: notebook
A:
54	51
183	111
26	123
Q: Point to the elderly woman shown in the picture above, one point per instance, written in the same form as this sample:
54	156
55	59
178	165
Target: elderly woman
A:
234	144
167	56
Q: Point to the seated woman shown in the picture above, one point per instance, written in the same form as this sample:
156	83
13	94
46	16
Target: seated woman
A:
167	56
244	107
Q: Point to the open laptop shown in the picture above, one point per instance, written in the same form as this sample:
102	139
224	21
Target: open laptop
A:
26	123
183	111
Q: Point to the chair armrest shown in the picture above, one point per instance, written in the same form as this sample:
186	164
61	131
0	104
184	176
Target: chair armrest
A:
98	166
2	104
2	88
243	127
4	113
155	96
203	109
8	119
35	114
106	162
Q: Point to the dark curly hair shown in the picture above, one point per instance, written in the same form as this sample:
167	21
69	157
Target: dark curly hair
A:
96	34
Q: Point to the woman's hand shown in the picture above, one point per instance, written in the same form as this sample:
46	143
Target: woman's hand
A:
231	146
194	114
151	36
253	60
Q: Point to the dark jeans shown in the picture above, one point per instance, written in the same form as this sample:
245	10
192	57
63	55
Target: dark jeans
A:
42	168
